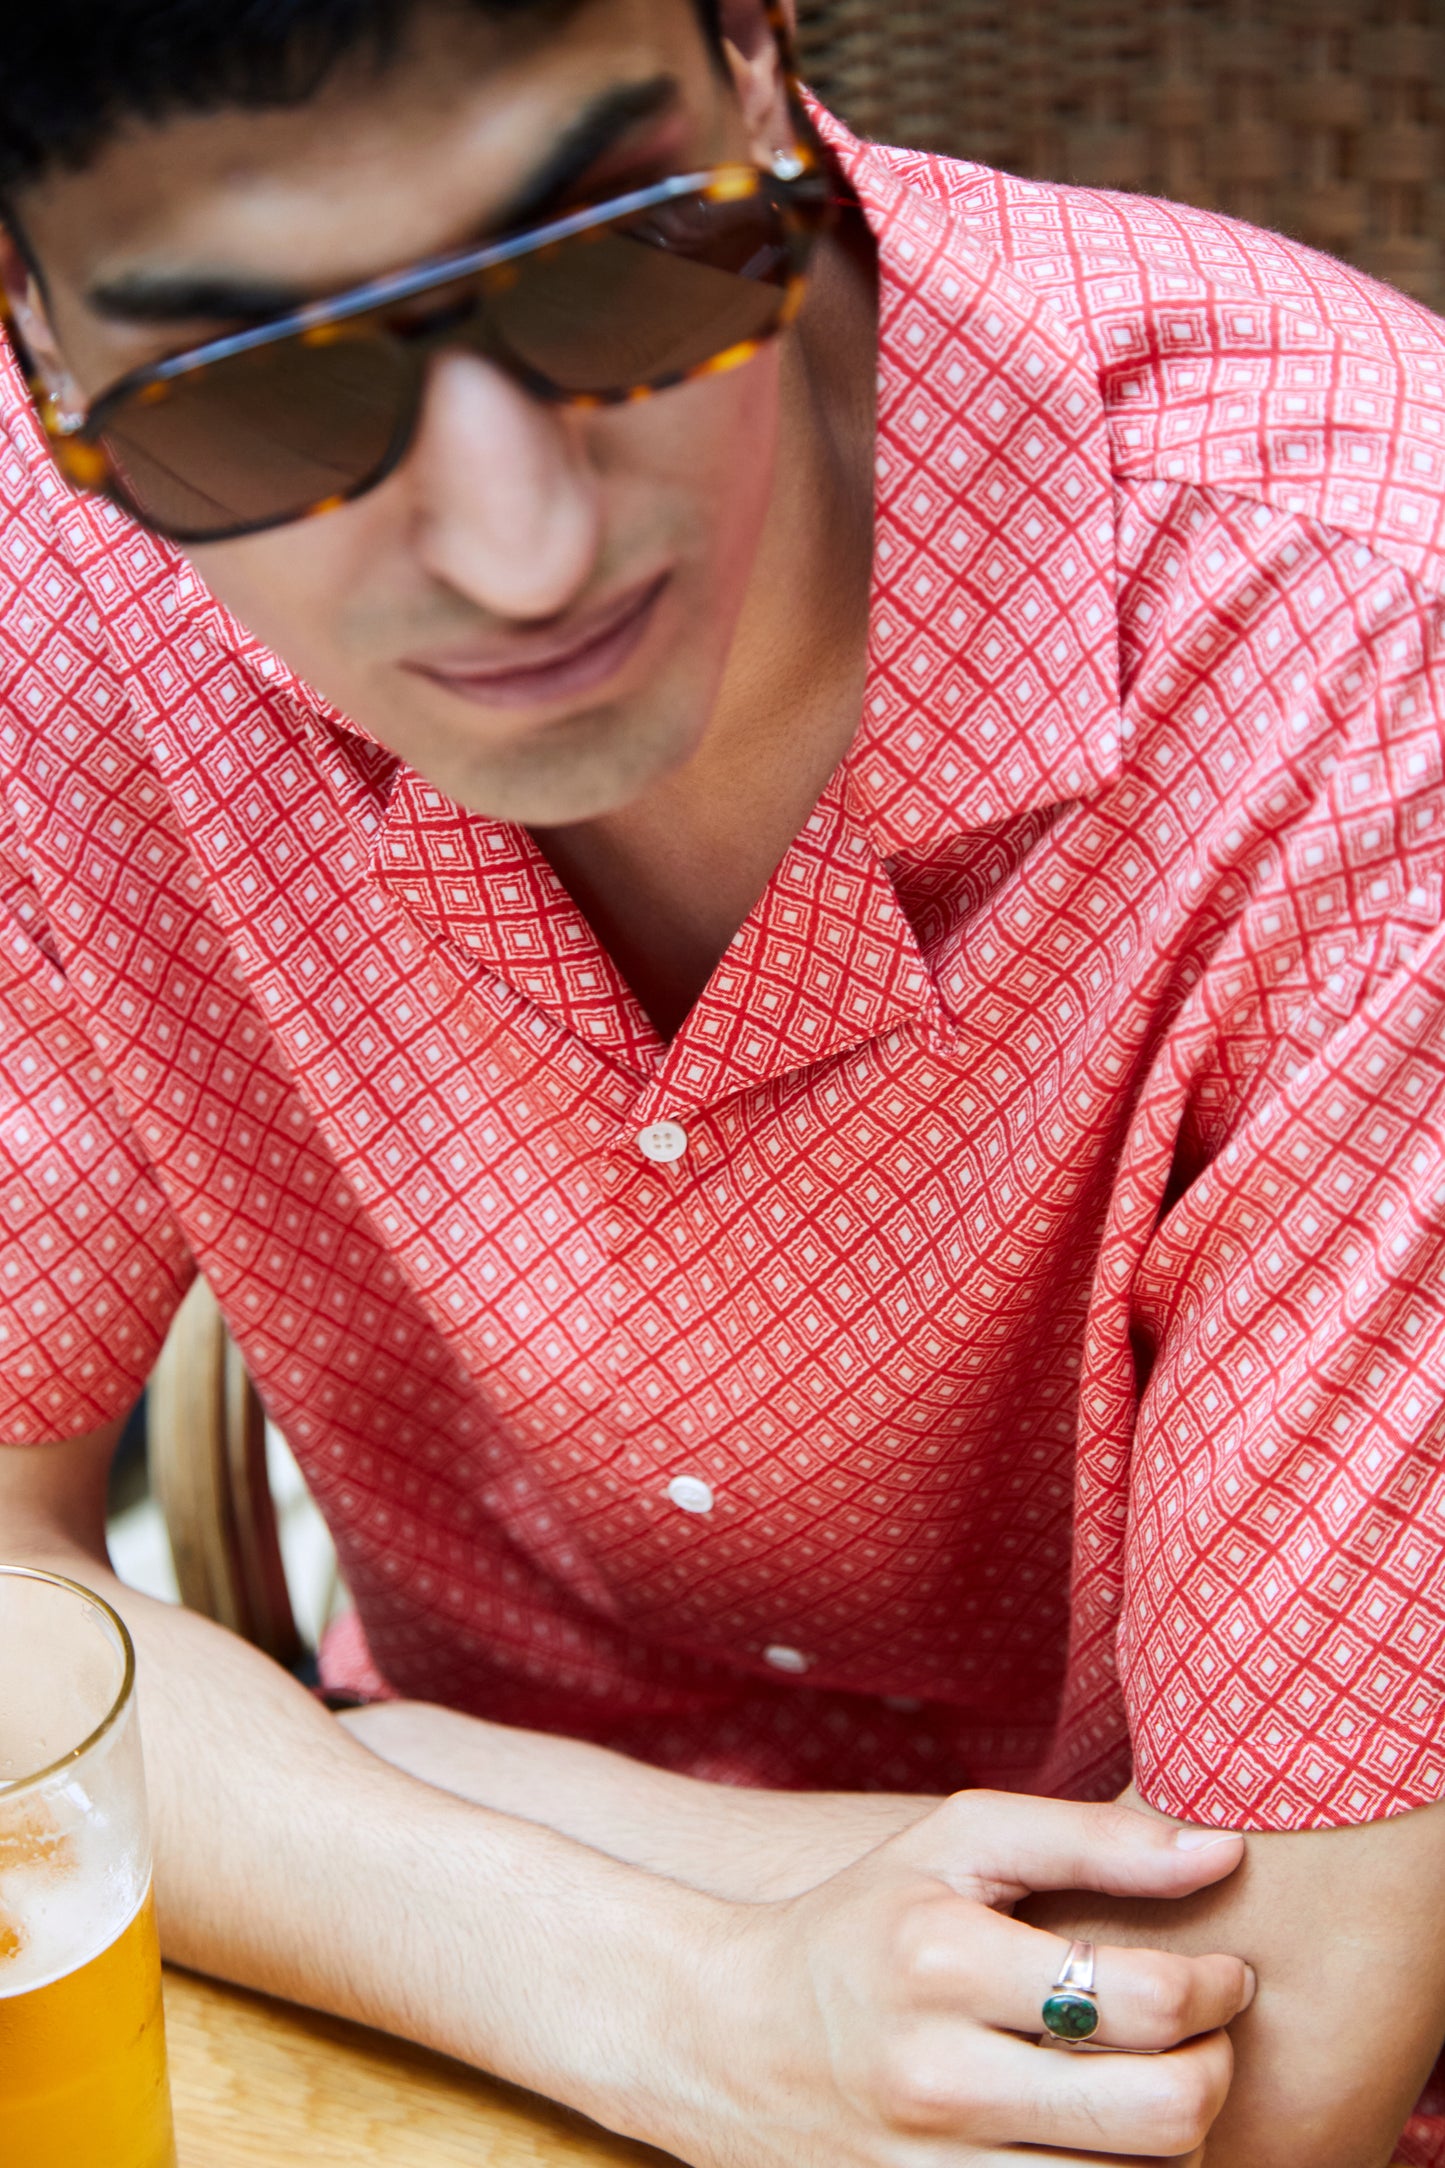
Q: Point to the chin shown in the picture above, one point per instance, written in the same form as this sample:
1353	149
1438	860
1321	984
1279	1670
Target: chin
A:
590	766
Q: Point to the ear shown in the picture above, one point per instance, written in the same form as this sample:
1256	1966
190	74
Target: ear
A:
34	336
756	65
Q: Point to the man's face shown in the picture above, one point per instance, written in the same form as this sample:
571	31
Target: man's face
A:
536	608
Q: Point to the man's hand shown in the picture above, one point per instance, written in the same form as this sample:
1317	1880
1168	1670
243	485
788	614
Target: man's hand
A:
889	2018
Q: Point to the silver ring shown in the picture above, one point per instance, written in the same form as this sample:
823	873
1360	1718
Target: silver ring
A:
1071	2008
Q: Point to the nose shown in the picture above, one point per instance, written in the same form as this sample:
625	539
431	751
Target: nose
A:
508	508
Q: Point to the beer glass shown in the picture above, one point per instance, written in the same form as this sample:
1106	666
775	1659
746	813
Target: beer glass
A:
82	2046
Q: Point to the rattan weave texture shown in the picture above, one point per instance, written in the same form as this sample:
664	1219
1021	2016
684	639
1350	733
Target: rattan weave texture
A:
1325	118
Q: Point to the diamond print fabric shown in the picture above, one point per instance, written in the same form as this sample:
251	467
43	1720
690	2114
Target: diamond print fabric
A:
1048	1295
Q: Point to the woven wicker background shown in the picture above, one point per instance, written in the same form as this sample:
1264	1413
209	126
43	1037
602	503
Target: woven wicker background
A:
1325	118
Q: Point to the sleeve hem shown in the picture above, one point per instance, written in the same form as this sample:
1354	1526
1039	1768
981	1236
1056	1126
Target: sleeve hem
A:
1317	1791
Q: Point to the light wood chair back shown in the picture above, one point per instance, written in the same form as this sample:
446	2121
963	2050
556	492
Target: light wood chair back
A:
206	1441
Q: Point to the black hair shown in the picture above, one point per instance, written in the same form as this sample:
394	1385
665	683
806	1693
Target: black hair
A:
72	71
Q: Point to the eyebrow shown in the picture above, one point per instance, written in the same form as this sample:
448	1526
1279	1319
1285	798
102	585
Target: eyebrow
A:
167	297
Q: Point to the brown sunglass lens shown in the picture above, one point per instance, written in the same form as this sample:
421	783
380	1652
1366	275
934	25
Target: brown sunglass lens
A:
642	304
264	437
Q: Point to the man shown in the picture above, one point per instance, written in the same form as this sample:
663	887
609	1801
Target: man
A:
779	944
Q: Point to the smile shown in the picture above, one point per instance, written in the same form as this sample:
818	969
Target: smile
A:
537	672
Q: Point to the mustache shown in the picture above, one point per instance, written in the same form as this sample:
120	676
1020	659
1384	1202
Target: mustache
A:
441	618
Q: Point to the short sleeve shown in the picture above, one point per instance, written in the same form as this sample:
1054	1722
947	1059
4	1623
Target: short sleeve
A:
92	1260
1282	1648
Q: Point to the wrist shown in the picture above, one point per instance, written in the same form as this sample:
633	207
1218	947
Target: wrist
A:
799	1839
695	2028
603	2001
633	2006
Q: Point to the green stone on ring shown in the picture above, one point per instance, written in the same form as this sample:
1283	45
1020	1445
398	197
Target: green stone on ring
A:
1068	2015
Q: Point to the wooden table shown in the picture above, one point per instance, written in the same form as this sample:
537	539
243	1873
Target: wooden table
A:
261	2084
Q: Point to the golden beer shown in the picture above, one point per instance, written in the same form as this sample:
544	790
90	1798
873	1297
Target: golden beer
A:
82	2038
83	2062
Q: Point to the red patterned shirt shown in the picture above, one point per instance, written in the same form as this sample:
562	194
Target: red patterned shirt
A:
999	1338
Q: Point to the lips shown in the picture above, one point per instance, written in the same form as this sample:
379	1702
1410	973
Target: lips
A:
533	672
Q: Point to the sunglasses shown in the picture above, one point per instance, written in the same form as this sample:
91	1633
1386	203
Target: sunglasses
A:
681	280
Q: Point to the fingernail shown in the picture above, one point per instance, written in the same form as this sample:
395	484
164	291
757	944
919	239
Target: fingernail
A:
1251	1986
1201	1840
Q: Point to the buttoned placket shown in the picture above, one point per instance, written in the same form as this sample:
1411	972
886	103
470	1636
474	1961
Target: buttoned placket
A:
827	962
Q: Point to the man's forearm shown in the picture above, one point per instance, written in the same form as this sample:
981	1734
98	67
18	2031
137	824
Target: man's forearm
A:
1344	1930
291	1859
747	1845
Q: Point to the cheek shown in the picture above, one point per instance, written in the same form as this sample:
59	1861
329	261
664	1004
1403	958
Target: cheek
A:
293	588
715	450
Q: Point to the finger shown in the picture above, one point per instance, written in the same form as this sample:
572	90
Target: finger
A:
1004	2092
998	1846
1015	2156
1000	1971
1158	2106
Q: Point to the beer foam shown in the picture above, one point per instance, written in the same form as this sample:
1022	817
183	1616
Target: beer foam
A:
62	1898
35	1839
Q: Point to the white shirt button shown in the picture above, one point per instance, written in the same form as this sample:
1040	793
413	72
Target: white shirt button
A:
663	1142
785	1659
691	1493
